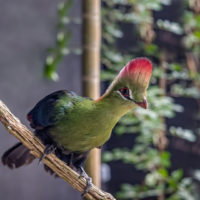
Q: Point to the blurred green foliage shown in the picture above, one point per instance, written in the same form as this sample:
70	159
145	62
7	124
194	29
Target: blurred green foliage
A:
61	48
174	75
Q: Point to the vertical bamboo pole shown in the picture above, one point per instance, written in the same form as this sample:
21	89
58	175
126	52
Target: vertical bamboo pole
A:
162	139
91	70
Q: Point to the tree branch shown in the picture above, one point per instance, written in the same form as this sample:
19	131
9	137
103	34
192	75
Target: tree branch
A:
22	133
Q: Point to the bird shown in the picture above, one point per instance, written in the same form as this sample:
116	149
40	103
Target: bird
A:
70	125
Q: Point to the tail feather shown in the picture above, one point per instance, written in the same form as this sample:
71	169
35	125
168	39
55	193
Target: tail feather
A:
17	156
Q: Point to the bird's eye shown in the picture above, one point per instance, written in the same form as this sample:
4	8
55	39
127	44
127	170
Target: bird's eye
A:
125	92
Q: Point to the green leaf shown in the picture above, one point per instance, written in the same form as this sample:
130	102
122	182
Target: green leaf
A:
170	26
152	179
165	159
107	156
183	133
177	175
197	34
151	49
114	31
163	172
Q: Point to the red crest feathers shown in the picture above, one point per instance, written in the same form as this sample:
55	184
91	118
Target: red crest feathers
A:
137	70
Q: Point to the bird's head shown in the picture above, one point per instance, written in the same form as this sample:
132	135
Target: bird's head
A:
129	87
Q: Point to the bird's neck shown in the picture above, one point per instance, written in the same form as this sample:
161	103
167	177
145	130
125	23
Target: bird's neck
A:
113	106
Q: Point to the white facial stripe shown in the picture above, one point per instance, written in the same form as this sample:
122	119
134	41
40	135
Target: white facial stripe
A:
130	93
122	96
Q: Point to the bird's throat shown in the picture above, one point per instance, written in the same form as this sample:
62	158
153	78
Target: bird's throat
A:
113	107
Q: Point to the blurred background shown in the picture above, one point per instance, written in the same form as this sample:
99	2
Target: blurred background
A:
153	154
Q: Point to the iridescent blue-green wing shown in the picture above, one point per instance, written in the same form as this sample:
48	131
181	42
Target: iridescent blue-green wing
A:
46	112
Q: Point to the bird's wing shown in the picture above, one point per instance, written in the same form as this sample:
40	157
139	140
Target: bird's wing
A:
50	109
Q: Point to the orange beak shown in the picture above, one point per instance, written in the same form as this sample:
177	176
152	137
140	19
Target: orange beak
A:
143	104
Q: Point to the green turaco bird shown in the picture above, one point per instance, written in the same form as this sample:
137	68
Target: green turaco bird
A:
70	125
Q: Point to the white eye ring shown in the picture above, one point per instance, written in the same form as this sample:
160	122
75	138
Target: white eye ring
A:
123	97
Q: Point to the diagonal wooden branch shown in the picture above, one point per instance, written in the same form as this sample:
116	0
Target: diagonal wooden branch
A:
20	131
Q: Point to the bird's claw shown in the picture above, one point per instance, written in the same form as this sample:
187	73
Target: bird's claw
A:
89	185
48	149
83	174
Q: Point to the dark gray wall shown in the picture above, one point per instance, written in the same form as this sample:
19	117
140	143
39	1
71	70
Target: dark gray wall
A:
27	28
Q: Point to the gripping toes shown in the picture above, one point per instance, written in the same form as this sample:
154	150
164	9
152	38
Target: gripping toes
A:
83	174
89	185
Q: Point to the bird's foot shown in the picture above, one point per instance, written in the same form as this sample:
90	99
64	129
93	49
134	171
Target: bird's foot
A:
50	148
89	185
83	174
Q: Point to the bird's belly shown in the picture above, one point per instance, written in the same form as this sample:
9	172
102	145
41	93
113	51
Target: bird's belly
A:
80	140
